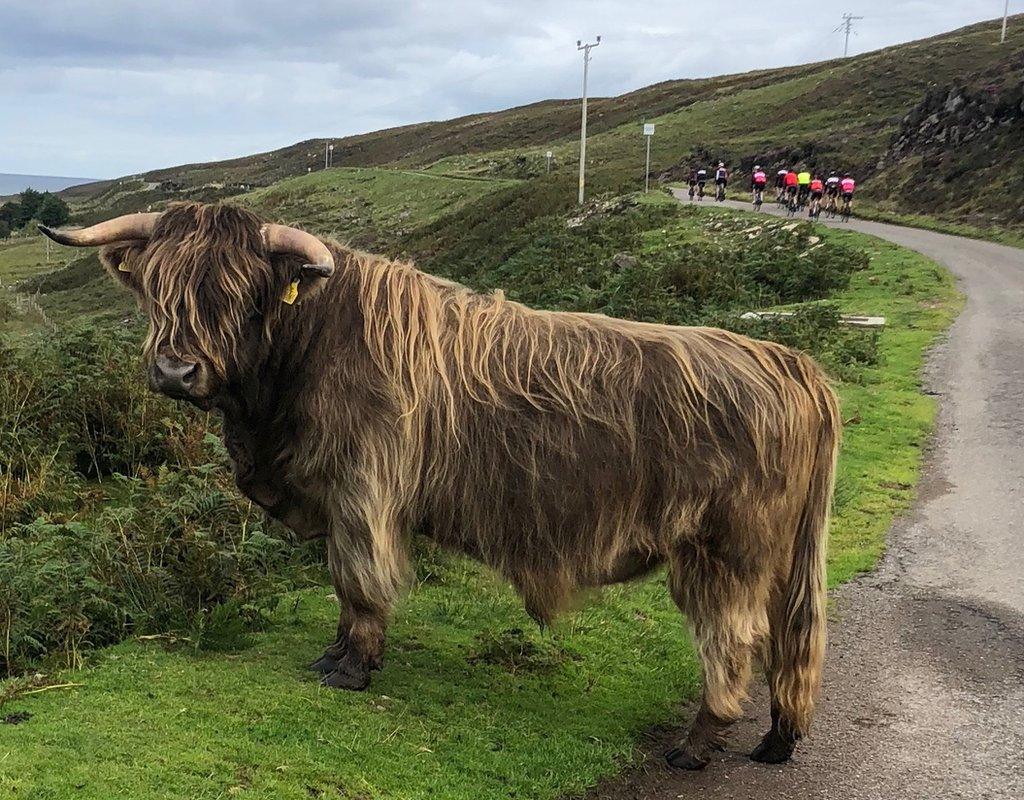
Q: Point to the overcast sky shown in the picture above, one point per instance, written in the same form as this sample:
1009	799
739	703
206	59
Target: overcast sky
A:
101	88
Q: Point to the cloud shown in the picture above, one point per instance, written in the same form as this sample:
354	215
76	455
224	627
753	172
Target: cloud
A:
110	87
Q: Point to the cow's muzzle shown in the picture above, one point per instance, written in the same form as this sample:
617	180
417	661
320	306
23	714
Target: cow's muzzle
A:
179	378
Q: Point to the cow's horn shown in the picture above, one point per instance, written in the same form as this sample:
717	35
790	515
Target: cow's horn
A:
282	239
130	227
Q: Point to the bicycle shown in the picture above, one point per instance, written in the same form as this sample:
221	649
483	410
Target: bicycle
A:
780	196
700	191
847	207
831	208
720	193
801	198
815	210
693	191
758	197
792	206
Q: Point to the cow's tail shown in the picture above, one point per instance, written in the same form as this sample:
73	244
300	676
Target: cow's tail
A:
799	627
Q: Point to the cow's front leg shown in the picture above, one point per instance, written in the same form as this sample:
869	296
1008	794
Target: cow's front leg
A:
361	652
365	589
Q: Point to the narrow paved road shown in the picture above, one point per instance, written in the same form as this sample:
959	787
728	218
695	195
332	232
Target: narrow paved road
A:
924	684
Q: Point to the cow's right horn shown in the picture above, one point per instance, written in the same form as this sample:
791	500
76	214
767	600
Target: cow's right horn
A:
284	239
130	227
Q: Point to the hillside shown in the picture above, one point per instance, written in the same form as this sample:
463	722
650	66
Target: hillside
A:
844	113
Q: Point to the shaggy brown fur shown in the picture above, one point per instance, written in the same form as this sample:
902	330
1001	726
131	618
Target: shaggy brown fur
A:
564	450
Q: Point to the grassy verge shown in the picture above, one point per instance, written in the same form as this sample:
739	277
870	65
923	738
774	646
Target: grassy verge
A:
994	233
474	702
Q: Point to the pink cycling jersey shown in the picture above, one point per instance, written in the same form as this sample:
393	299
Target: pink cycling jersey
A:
760	177
848	185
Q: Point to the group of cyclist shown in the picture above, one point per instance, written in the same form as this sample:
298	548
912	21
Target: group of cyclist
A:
794	190
699	177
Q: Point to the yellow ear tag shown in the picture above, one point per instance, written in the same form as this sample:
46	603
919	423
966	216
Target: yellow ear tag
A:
123	267
291	293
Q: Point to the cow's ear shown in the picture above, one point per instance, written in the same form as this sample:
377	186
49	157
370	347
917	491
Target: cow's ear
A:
302	281
122	261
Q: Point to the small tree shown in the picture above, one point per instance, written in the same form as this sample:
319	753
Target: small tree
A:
5	229
10	212
30	202
52	210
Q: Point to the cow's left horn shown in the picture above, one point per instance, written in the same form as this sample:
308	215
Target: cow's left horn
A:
282	239
130	227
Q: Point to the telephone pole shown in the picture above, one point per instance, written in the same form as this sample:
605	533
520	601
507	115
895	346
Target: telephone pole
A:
586	48
848	26
1006	13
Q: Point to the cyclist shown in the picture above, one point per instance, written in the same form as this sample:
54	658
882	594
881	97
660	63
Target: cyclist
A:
832	193
702	178
847	186
692	181
804	181
792	181
758	180
721	179
780	185
817	190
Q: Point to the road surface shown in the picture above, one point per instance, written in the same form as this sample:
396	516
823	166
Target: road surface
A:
924	682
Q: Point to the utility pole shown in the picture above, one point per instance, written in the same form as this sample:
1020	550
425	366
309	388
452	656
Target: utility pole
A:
327	153
586	48
1006	13
848	25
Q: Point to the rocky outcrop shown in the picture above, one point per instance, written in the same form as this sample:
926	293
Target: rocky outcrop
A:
952	116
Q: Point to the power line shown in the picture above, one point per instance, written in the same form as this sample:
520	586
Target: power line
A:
1006	12
847	26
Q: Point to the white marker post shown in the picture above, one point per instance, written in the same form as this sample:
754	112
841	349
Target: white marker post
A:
548	156
648	133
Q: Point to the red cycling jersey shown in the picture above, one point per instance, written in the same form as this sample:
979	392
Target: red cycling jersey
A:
791	178
817	185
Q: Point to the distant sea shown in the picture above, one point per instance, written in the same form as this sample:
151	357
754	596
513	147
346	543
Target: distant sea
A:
14	184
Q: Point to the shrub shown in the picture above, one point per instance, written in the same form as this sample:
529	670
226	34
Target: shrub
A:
118	512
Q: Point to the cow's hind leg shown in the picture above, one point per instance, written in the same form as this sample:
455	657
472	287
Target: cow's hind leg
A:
725	605
792	685
328	661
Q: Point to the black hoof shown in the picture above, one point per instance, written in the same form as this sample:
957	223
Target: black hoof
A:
325	664
349	673
682	759
773	749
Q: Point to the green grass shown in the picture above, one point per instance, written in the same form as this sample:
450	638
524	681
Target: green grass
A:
994	233
368	207
474	702
25	257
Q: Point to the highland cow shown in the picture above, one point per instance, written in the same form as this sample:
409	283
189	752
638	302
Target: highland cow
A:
365	401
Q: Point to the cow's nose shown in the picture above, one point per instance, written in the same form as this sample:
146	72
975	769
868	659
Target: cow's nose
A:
174	376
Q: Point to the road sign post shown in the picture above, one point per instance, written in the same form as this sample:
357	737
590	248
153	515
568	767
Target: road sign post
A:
548	156
648	133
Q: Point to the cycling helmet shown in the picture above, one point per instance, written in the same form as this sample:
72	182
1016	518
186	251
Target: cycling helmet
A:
721	163
757	166
832	174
